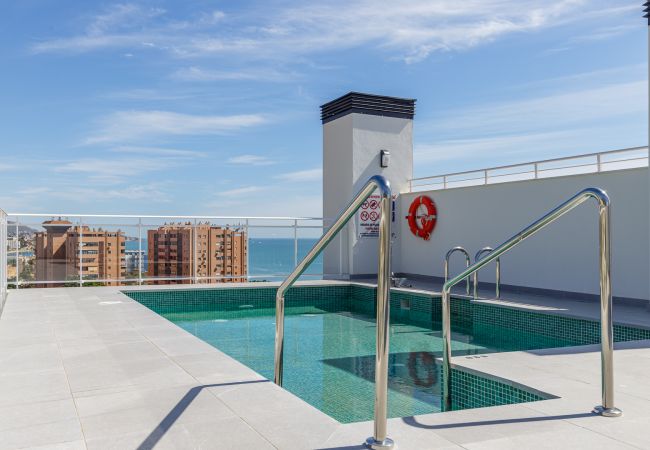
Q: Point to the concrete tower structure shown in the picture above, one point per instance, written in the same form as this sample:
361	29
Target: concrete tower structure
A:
363	135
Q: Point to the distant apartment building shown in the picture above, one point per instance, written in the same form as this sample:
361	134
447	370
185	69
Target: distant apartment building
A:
135	262
64	252
210	253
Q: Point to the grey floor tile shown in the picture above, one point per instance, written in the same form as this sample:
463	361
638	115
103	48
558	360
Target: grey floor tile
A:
24	415
33	387
44	435
145	410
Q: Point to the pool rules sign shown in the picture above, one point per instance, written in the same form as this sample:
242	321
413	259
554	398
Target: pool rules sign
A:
369	214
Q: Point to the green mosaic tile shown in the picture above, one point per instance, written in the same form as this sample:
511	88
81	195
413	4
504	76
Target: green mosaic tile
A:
469	390
330	342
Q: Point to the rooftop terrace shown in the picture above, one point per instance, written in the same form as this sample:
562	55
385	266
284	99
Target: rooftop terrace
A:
92	368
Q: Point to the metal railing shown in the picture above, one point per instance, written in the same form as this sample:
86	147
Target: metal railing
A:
626	158
498	273
379	439
606	327
297	232
468	261
3	258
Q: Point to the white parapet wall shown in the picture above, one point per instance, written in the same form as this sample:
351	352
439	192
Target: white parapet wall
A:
561	257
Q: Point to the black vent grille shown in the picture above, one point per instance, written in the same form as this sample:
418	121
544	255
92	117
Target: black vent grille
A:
378	105
646	10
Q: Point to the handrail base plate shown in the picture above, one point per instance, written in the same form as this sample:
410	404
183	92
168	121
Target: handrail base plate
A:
608	412
374	444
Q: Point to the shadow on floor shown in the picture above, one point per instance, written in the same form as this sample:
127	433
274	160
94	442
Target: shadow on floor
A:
412	421
590	348
169	420
347	447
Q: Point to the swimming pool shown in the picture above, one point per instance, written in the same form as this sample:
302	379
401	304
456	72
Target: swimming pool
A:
330	343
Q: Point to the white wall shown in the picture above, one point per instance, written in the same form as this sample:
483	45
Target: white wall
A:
562	256
337	187
351	147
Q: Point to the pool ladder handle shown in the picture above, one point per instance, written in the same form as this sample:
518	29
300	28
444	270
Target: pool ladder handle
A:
468	261
478	256
607	409
379	440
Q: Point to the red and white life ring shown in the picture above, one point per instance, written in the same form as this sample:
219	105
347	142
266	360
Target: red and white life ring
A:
422	225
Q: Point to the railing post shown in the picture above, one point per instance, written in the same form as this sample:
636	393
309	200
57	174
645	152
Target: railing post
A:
295	243
195	256
606	326
536	170
248	251
485	176
468	262
340	254
446	348
498	286
598	163
140	251
444	182
81	244
380	439
17	254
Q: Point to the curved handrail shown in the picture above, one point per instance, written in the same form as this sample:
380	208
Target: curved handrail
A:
606	328
498	275
383	299
468	261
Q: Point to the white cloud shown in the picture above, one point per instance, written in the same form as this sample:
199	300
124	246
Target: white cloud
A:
194	73
251	160
115	171
302	175
241	192
121	16
555	111
288	204
409	30
151	192
145	94
134	125
604	33
160	152
546	126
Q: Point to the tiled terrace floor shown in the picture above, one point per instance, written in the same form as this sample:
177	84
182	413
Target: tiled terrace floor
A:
90	368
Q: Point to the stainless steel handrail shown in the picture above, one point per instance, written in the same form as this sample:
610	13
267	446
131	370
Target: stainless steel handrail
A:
606	328
498	274
379	440
468	261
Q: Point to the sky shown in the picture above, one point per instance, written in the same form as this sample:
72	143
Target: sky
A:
212	107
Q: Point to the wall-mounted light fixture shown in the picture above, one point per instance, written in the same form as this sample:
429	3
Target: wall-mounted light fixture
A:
384	158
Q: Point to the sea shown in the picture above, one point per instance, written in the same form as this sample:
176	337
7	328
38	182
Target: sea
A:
271	259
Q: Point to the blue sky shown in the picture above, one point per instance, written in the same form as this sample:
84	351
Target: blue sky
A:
212	107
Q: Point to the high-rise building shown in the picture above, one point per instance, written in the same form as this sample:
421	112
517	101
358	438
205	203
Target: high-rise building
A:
209	253
50	251
66	253
135	261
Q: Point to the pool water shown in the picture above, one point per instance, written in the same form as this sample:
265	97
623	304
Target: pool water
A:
329	356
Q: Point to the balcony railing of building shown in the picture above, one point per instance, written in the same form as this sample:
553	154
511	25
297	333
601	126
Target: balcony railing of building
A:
627	158
274	246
